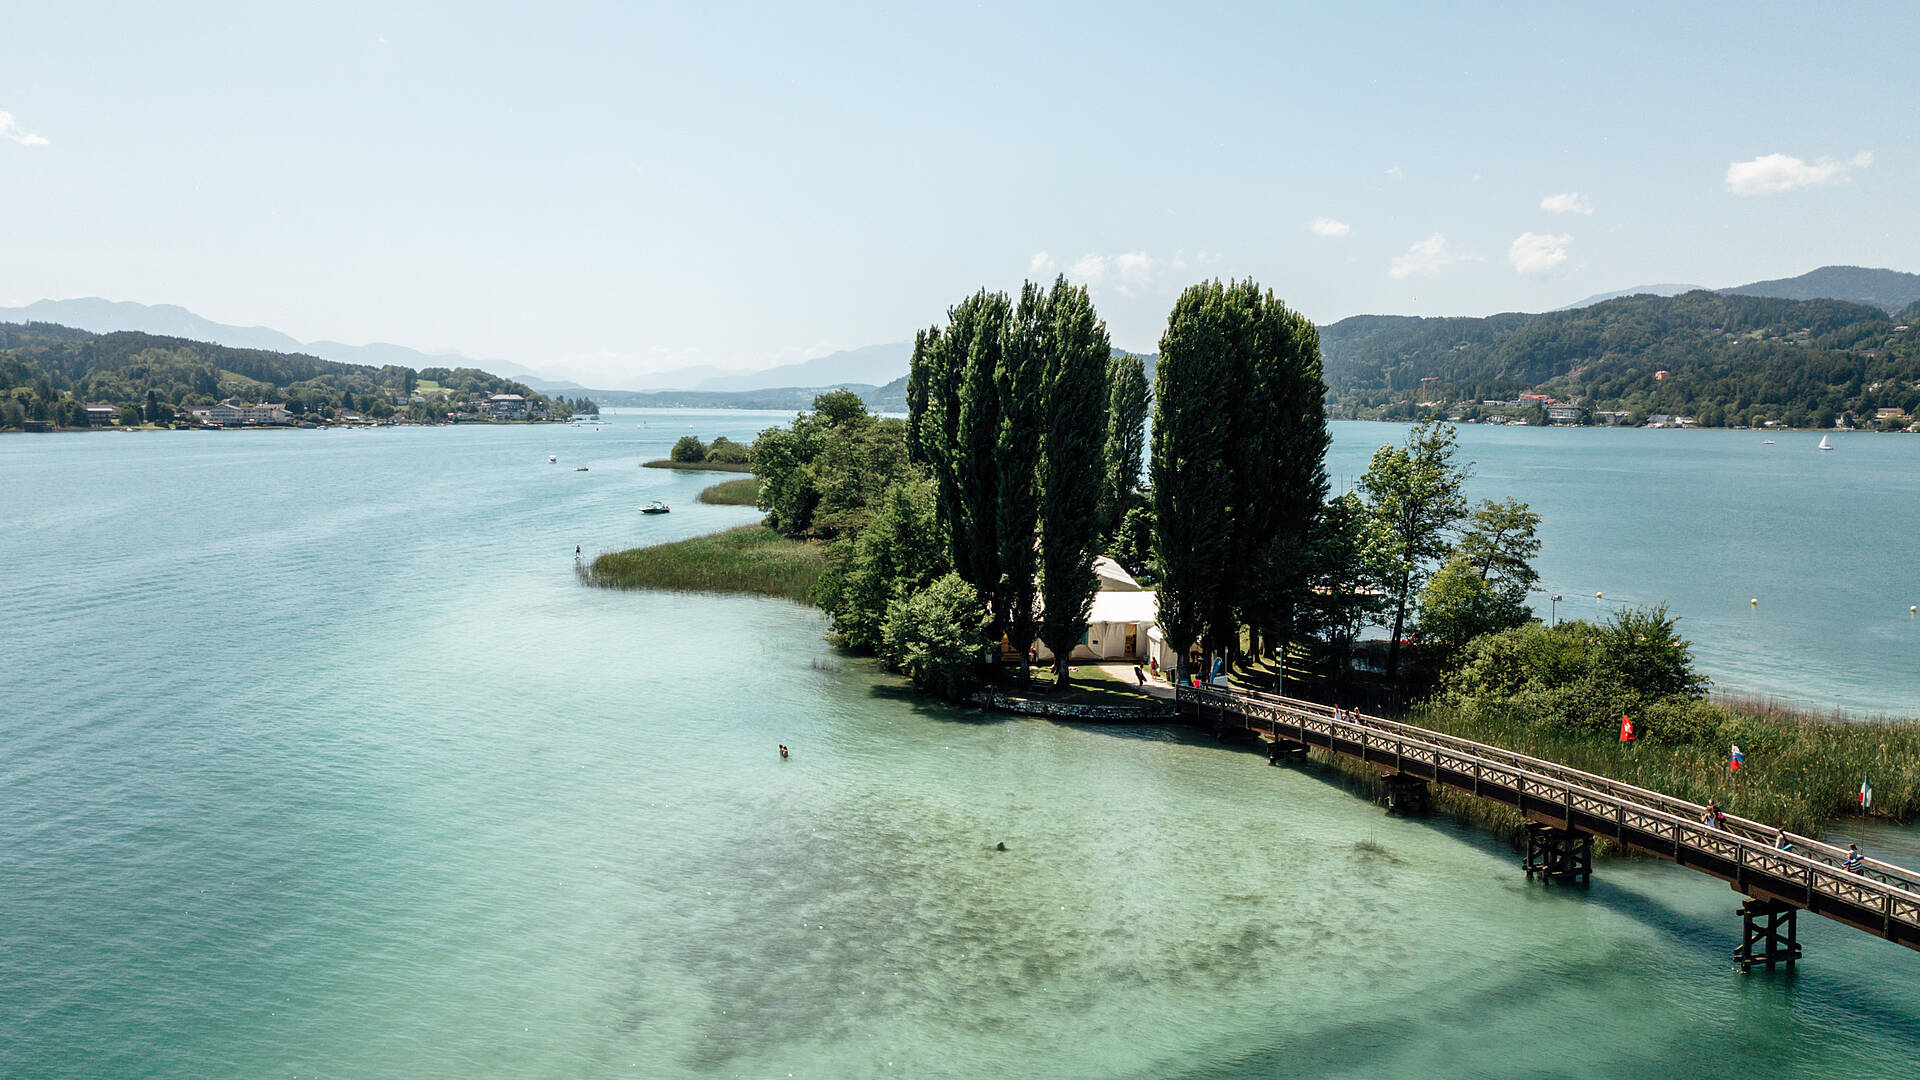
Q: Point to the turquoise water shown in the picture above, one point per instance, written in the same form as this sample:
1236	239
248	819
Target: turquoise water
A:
318	762
1709	521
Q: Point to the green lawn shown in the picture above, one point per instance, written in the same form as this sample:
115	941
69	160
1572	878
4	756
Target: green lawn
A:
1090	686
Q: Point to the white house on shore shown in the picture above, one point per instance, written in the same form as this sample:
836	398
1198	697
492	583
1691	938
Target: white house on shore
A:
1122	626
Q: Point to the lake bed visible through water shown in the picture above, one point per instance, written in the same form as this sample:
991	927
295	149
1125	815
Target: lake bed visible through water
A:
320	761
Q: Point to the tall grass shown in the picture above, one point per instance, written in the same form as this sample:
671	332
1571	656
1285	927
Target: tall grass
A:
751	559
741	492
698	466
1801	772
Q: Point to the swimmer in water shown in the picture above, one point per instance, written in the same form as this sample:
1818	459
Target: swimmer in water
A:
783	750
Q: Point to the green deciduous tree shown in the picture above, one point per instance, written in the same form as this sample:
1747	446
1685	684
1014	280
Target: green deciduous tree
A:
1414	494
1190	469
900	551
1239	439
1019	384
1129	397
1075	398
688	449
936	634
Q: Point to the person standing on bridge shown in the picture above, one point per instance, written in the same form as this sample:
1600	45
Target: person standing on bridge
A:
1855	861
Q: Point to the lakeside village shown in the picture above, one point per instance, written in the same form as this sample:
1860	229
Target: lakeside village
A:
236	412
1545	410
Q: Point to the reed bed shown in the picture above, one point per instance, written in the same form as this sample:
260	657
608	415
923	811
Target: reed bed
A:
752	559
1801	773
741	492
698	466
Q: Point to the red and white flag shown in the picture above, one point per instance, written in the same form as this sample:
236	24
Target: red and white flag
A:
1627	734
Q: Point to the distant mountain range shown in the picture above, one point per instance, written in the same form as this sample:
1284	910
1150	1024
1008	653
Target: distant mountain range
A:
878	372
1637	290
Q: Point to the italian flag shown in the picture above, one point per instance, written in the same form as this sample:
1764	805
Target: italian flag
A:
1866	794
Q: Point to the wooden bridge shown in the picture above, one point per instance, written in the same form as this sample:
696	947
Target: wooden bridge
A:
1568	808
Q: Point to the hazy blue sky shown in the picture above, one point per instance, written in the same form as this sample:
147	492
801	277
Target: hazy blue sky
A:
626	187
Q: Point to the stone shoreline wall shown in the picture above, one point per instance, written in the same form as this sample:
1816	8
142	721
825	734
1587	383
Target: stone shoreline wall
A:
1057	710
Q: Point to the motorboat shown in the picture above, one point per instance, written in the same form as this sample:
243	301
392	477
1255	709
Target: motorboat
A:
655	507
579	468
551	459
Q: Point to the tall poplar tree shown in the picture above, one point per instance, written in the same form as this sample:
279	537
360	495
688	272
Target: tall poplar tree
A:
1019	383
1189	465
1247	451
1128	399
1071	482
954	420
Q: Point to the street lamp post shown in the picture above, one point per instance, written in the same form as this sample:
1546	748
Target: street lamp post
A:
1553	610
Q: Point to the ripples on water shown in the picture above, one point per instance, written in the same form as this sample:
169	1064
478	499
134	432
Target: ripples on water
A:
320	762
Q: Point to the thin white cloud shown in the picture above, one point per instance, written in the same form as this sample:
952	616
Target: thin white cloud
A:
1570	202
1394	173
1183	261
1132	265
1040	265
1123	270
1089	268
1771	174
11	129
1535	254
1326	226
1427	258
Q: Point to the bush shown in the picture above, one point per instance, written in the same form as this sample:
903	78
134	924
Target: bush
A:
725	451
935	635
689	449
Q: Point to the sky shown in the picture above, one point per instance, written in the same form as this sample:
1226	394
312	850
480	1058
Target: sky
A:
605	190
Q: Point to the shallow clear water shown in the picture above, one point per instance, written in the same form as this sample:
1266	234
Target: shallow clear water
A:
318	761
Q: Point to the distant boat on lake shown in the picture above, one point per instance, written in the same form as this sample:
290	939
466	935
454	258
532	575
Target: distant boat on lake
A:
551	459
579	468
1824	444
655	507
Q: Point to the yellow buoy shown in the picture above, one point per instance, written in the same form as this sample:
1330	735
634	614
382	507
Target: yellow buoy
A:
1599	596
1755	601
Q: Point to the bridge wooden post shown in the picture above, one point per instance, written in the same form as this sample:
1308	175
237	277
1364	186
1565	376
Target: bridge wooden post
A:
1559	854
1408	796
1770	934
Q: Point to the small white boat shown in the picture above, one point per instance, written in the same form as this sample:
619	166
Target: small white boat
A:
551	459
579	468
1766	442
1824	444
655	507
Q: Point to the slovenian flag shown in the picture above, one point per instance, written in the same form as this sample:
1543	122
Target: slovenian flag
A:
1738	759
1866	794
1627	733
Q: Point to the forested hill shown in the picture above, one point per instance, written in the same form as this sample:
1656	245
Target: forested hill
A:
1722	358
49	373
1890	290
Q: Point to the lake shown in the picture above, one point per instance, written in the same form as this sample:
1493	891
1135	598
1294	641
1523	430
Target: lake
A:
319	761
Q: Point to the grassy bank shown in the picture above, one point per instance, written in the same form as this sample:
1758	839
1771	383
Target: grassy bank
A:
752	559
698	466
1802	771
741	492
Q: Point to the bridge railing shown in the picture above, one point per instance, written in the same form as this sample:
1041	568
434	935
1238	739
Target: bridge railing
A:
1754	830
1895	899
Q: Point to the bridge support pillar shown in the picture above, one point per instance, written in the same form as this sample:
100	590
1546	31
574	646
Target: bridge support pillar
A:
1408	796
1279	750
1559	854
1769	936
